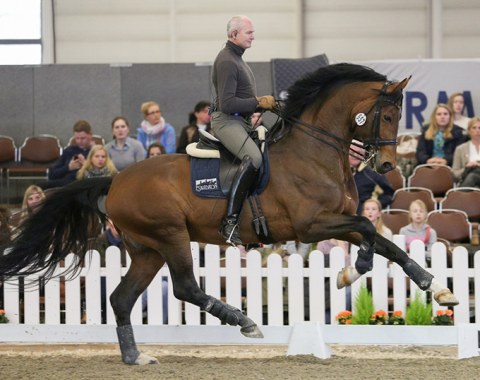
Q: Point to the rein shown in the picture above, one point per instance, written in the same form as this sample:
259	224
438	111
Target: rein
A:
371	146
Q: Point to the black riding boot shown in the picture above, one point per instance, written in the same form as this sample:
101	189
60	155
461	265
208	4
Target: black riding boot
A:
242	183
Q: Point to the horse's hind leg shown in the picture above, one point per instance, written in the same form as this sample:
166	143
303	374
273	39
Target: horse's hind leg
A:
145	265
185	288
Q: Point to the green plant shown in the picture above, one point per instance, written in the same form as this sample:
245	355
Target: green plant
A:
363	307
419	312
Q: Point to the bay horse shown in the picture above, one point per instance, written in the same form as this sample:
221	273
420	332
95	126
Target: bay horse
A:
311	196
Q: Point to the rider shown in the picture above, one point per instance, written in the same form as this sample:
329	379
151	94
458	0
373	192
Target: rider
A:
234	104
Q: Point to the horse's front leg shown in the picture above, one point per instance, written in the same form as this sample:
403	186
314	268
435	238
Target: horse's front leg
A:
412	269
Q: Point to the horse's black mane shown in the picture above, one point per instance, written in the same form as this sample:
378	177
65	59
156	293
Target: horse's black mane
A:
318	85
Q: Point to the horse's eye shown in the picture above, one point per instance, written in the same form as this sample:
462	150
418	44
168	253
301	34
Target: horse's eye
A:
387	118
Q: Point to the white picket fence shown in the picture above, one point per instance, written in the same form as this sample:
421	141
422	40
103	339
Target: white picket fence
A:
284	281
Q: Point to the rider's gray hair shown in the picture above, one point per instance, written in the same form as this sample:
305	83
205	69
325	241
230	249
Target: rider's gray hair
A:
235	24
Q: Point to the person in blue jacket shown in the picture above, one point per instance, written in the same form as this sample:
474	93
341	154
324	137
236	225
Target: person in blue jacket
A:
154	128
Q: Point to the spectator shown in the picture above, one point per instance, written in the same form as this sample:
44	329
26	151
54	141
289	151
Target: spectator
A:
32	198
439	138
370	184
97	164
123	150
154	128
372	210
198	119
418	229
456	101
466	160
155	149
5	231
303	249
65	169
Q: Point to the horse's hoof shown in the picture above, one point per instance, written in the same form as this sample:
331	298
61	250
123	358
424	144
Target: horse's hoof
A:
445	297
347	276
251	331
145	359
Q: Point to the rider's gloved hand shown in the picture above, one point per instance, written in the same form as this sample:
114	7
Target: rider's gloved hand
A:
267	102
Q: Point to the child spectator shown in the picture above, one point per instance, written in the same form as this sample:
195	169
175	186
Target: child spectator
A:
97	164
372	210
155	149
418	229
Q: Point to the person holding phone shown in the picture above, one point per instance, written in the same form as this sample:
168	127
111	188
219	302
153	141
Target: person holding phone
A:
65	169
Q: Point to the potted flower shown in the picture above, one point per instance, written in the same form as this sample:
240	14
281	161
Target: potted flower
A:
380	317
344	317
3	317
443	317
396	318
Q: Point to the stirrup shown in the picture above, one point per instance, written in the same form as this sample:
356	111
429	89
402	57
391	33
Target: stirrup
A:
230	232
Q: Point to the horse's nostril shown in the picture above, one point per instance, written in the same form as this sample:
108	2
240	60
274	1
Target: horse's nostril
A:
386	167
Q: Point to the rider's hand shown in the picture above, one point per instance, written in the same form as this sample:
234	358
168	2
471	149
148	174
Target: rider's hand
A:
267	102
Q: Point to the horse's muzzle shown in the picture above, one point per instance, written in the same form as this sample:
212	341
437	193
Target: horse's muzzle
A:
386	167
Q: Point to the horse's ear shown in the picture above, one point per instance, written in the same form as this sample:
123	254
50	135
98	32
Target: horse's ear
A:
399	86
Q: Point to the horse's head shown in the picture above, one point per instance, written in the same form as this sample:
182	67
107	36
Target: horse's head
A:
375	123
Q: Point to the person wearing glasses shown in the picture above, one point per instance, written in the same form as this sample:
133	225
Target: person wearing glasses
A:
154	128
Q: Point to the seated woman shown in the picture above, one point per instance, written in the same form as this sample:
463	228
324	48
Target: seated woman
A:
97	164
123	150
439	138
372	210
466	160
418	229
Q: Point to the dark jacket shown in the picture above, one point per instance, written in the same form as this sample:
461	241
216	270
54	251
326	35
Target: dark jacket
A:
425	147
184	141
59	170
367	181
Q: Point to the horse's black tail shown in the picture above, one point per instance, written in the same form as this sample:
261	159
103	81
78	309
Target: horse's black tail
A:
59	226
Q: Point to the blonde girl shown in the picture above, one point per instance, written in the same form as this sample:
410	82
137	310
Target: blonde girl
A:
372	210
97	164
32	197
418	229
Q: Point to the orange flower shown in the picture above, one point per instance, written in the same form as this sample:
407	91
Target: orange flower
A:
397	313
2	312
449	312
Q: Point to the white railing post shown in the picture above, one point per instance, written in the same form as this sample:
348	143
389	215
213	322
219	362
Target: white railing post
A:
274	290
316	283
212	278
296	298
254	287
